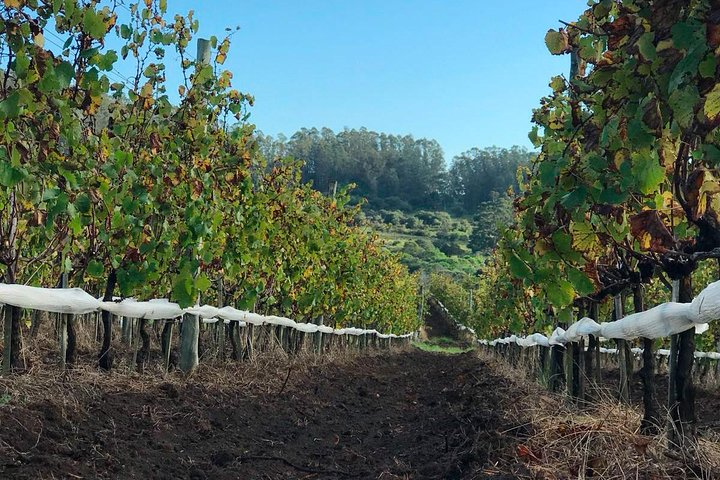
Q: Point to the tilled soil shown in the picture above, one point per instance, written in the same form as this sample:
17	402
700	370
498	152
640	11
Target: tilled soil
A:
408	414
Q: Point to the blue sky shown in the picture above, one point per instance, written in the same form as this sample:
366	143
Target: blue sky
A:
466	73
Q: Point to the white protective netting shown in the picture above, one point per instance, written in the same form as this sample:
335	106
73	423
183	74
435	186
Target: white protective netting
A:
661	321
57	300
76	301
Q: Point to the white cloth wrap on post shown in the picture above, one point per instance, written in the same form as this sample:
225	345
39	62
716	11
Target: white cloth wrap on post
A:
282	321
203	311
254	318
306	327
77	302
661	321
557	337
580	329
233	314
540	339
706	306
57	300
158	309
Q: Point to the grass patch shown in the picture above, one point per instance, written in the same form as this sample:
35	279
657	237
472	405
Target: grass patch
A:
443	345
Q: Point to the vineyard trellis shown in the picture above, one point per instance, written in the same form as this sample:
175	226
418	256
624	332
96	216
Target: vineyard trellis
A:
623	195
153	186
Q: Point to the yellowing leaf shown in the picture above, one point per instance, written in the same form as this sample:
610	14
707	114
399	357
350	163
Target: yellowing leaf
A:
712	104
39	40
584	237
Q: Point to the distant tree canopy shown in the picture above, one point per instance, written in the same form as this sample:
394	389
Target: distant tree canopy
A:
479	174
399	171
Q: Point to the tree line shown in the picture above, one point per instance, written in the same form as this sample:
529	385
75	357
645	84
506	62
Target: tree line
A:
400	172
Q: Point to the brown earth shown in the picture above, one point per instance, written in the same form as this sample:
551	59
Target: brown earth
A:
407	414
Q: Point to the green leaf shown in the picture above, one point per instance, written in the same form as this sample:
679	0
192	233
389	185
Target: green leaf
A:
93	23
638	133
64	73
9	175
67	265
50	193
95	268
557	42
612	196
182	290
560	293
247	301
708	66
82	203
685	35
202	282
687	66
712	103
10	107
647	171
562	242
22	63
646	46
49	83
518	268
683	102
575	198
711	154
580	282
75	224
59	207
557	84
107	61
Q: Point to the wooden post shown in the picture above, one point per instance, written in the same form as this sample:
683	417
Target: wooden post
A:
7	340
126	330
221	323
622	348
189	337
135	339
167	341
203	51
63	328
318	336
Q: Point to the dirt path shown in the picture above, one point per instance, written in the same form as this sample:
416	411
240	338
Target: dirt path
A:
406	415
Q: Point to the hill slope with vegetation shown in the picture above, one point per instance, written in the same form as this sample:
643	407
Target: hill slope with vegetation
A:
438	217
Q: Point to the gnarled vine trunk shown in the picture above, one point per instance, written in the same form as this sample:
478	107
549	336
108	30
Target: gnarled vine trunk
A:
682	411
12	343
105	357
650	424
144	351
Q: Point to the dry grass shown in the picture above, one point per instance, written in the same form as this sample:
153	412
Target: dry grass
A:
562	441
266	371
